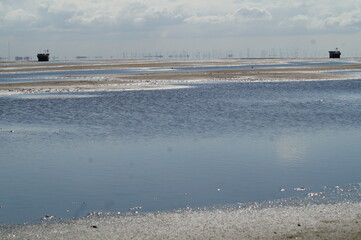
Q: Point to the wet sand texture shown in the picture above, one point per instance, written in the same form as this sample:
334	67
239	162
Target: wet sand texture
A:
339	221
161	80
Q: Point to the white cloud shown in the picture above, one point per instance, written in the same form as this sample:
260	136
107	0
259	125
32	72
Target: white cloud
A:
325	22
245	13
92	19
20	16
350	19
206	19
173	19
252	13
112	13
298	21
128	14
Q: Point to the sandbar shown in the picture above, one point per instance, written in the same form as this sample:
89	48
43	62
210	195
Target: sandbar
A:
165	79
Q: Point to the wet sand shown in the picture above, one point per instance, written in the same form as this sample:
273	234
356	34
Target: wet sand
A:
8	67
161	80
338	221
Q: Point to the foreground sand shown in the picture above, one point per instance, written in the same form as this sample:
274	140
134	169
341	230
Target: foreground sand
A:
161	80
338	221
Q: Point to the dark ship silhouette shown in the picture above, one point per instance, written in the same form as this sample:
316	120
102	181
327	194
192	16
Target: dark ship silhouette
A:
43	57
335	54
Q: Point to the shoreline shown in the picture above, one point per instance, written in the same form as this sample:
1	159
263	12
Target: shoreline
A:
341	220
325	221
168	79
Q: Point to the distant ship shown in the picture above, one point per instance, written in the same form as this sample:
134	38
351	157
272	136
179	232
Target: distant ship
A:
43	57
335	54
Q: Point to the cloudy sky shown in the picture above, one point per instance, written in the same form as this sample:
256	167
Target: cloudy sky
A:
114	27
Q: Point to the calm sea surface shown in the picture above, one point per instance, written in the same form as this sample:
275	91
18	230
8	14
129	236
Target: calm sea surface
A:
225	143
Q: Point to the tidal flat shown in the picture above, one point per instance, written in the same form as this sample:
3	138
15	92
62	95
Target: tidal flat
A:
141	74
230	148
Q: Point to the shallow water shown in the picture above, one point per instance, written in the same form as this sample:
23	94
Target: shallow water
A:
32	76
225	143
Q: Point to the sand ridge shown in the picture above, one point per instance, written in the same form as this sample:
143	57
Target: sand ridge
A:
165	79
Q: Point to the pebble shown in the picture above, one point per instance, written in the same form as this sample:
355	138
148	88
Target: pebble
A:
8	131
135	208
48	217
314	194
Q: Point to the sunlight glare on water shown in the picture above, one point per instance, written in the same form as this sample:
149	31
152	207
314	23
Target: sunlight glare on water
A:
226	143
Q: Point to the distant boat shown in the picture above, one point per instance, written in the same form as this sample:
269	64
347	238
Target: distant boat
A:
43	57
335	54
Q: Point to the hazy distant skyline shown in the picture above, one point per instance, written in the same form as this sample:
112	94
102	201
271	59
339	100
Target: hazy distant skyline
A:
106	28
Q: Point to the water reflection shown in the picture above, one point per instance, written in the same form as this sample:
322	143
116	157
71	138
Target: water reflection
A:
291	149
161	150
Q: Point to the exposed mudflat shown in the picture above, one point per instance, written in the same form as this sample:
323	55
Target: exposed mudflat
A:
164	77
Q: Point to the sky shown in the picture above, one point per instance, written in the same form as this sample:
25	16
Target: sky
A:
118	28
